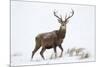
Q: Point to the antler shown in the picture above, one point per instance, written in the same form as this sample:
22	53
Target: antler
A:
66	18
60	18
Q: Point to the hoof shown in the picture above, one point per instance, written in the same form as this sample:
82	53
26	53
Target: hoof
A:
60	56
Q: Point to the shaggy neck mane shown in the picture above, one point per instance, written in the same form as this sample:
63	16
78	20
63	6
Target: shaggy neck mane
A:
61	32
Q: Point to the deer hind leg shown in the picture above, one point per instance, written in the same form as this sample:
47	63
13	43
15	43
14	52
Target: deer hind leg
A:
37	46
41	53
61	50
34	51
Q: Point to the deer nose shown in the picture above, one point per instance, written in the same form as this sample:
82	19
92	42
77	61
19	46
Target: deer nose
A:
63	25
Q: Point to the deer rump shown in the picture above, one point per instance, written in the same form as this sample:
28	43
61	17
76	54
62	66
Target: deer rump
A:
48	40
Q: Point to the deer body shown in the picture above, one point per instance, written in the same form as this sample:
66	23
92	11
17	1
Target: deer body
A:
51	39
47	40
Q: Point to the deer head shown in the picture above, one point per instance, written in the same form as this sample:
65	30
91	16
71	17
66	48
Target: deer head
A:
60	20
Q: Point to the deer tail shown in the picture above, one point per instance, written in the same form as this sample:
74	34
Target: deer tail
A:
38	42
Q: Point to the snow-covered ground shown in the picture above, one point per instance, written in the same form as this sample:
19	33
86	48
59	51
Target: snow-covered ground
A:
31	18
25	59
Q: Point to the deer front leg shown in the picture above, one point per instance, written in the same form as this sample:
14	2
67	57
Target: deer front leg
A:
41	53
61	50
55	52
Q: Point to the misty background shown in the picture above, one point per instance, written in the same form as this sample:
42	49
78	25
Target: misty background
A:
28	19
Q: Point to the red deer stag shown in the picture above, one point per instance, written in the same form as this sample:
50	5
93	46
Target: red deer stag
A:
52	39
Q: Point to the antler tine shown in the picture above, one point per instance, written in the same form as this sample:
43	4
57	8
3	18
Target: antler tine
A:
56	15
71	15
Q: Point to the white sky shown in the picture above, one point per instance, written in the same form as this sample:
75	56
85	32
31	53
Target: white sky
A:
31	18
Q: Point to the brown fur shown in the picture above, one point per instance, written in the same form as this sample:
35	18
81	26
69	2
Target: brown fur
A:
51	39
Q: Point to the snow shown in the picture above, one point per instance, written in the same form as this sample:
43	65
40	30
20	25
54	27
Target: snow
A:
37	60
28	19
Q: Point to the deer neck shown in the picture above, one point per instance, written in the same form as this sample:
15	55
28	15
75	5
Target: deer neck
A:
62	32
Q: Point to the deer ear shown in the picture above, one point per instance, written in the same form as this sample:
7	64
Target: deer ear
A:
66	21
59	21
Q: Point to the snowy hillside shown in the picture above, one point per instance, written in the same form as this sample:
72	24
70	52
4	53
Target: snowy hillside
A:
25	59
28	19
